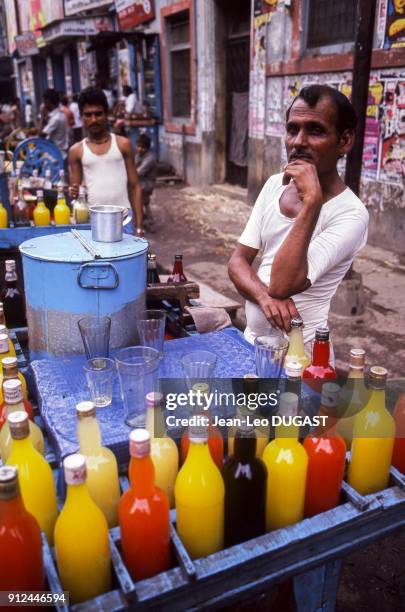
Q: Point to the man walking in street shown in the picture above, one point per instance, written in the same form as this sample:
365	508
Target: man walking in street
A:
54	125
307	223
103	161
146	167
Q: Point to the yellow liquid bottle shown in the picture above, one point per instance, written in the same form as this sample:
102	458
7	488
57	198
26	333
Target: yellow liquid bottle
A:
6	349
35	475
81	538
41	214
287	462
3	216
80	209
9	367
353	396
61	212
373	439
200	494
102	469
13	402
296	349
164	453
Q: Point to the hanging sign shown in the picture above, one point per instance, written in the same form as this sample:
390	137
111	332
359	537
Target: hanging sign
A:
132	14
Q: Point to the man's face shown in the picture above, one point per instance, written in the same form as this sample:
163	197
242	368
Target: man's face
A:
311	134
140	149
399	6
95	119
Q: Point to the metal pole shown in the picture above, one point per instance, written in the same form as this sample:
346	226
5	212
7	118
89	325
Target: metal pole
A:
361	75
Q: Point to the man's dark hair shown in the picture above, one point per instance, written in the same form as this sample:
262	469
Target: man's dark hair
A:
143	141
93	96
65	100
51	96
346	118
75	97
126	90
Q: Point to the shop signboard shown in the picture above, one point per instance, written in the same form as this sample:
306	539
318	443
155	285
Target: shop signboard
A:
90	26
131	14
9	8
72	7
26	44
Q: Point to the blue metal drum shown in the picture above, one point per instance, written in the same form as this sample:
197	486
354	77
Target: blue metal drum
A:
64	282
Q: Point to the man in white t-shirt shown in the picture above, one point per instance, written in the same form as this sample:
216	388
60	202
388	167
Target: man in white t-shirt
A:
307	223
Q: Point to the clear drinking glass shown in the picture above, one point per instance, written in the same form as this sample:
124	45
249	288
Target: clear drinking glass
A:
269	354
95	332
198	366
151	329
100	377
138	374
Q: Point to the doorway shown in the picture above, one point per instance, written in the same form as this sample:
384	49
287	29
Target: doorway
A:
235	34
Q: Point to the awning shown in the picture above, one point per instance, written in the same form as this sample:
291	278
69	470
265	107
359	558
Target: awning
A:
78	28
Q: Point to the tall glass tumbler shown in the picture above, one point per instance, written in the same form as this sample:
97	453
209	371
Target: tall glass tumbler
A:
138	375
151	329
198	367
100	378
95	333
270	352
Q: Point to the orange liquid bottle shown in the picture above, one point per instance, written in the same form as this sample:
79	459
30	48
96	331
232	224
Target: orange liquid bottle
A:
320	368
215	439
144	514
326	452
398	455
21	563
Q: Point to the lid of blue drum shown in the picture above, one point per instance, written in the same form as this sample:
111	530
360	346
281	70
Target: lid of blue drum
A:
66	248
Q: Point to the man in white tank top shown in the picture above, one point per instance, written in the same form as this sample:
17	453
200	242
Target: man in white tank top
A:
104	162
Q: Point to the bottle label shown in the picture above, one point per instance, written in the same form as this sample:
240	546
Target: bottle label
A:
13	395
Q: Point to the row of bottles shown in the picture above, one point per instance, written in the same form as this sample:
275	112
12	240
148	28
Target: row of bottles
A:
215	508
177	275
23	202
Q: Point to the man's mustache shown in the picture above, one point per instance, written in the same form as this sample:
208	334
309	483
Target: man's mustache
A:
299	156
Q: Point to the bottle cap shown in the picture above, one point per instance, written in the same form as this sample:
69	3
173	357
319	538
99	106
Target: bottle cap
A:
74	467
288	404
322	333
201	387
3	343
12	391
357	358
178	256
19	425
8	482
40	194
85	409
297	322
154	399
198	433
250	383
10	367
139	443
330	395
10	265
152	257
293	369
378	377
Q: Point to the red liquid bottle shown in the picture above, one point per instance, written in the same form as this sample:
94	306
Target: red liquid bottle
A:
144	514
326	457
320	368
21	563
177	276
398	455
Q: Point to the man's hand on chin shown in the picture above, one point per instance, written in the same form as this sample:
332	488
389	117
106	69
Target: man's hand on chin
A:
278	312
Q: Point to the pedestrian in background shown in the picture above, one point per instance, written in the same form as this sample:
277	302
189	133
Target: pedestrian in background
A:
78	123
146	167
28	114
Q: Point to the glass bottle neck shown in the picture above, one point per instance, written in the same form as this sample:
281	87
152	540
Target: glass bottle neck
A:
377	398
14	407
287	433
155	422
198	452
22	445
356	372
77	494
142	476
11	509
89	436
321	353
296	346
244	448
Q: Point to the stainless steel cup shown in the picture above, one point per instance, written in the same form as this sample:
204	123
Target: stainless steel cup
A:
106	223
